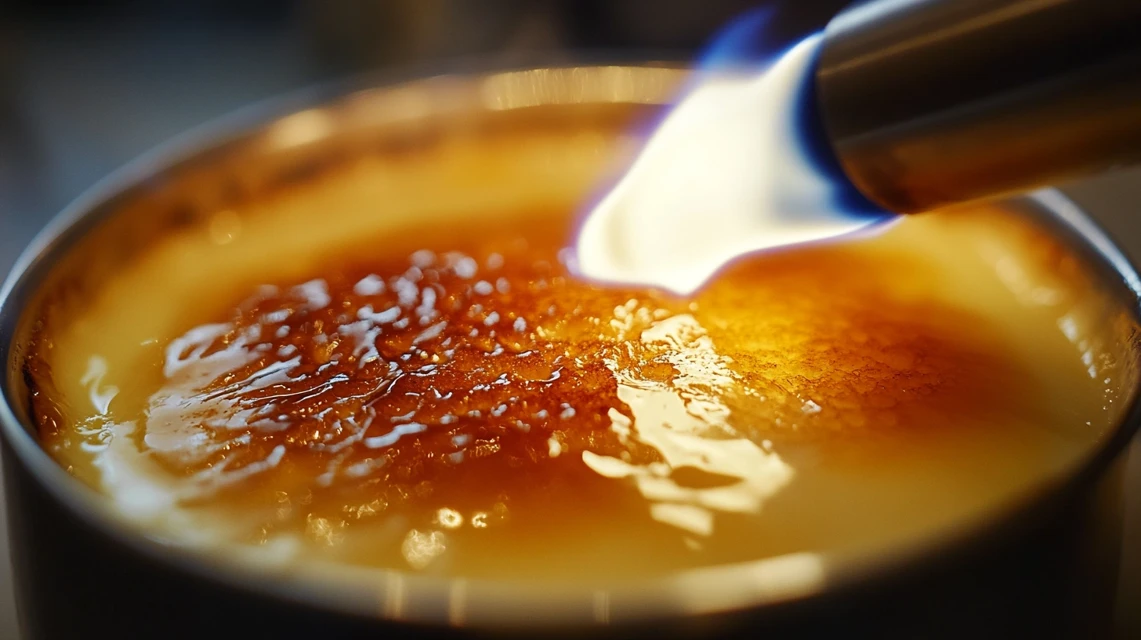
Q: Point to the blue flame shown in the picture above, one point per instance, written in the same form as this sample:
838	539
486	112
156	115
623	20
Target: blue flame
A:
750	43
741	164
818	150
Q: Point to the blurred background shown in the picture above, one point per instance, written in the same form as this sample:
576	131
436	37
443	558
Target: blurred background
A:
86	85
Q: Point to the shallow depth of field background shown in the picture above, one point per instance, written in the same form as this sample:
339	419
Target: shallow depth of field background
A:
85	86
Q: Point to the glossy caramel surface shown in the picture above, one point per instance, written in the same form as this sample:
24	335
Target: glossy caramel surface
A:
439	394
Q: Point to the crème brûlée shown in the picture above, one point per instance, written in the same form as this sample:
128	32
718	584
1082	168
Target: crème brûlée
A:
388	364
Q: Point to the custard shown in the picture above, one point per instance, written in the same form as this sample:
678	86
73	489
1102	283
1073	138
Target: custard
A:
390	365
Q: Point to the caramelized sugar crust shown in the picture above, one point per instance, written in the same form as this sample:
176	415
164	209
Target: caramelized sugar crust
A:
437	400
442	396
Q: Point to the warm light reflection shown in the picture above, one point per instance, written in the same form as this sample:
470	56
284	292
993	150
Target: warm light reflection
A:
781	578
100	395
601	85
422	547
301	128
685	420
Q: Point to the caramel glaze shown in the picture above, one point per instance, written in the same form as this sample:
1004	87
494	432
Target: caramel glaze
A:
440	388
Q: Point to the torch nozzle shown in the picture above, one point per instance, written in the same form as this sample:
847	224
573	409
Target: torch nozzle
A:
932	103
